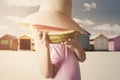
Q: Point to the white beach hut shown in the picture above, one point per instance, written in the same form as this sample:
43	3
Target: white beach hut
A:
101	43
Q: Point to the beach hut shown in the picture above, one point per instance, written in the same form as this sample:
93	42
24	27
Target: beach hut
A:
84	40
114	43
8	42
25	42
32	45
101	43
91	45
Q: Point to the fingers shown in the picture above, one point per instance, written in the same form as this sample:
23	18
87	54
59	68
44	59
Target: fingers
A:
69	39
66	42
44	36
77	34
40	35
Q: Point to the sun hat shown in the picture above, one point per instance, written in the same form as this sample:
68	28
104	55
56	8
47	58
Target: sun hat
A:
51	18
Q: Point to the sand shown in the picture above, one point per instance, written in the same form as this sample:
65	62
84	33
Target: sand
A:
22	65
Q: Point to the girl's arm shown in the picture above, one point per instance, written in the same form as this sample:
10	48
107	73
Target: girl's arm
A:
75	45
80	53
43	55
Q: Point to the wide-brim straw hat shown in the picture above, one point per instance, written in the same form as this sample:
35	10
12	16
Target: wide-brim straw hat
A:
53	19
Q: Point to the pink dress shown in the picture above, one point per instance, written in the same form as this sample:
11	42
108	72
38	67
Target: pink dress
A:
65	64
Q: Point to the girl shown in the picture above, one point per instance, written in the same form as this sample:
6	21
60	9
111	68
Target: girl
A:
57	61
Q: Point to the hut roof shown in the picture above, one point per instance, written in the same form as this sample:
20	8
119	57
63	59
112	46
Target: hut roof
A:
117	36
25	37
114	37
85	31
102	36
99	35
7	36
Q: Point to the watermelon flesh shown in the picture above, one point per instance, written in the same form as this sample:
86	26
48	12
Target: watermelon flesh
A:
55	35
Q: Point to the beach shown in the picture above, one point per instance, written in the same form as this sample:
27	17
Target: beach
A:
22	65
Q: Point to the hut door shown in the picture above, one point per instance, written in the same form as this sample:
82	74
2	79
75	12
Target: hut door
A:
101	44
25	44
15	44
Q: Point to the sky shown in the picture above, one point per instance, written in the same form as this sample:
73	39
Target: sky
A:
95	16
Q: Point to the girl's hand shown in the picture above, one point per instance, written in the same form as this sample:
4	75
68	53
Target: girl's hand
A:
41	43
72	43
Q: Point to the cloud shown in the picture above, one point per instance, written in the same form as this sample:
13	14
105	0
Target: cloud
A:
84	22
3	27
13	18
26	3
108	27
89	6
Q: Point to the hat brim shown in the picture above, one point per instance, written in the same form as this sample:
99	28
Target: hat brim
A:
28	20
57	20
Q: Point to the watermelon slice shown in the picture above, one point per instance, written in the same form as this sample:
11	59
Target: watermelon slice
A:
55	35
